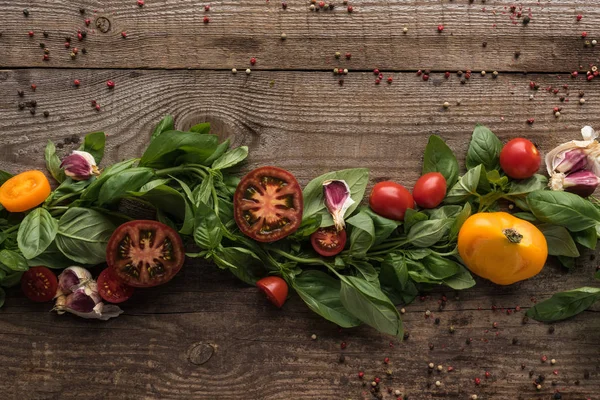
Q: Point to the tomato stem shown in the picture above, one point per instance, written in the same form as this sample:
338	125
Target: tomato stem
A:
512	235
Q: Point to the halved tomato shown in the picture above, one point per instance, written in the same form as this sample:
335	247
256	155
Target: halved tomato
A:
144	253
275	288
111	289
268	204
328	241
39	284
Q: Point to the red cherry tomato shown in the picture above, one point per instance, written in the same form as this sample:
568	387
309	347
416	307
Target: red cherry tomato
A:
328	241
430	190
390	200
275	288
520	159
111	289
39	284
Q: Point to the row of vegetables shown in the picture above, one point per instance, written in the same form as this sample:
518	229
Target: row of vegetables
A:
350	262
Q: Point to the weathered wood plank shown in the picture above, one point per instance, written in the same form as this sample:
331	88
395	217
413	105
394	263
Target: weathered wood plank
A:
171	34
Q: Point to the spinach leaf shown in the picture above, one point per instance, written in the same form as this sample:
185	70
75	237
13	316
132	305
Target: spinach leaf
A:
4	176
559	241
461	280
231	158
362	235
411	217
321	293
465	187
83	235
563	208
53	162
370	305
94	144
207	230
52	257
92	192
36	232
242	263
564	305
165	124
119	184
13	260
587	237
525	186
428	233
11	279
439	158
458	222
384	227
357	179
484	149
169	146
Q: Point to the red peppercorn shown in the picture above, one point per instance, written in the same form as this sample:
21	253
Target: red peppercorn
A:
350	9
386	360
574	74
124	34
450	369
447	74
487	374
596	73
544	358
97	107
377	380
530	121
555	109
110	84
590	77
207	8
390	79
579	17
321	4
80	36
253	61
75	50
425	77
380	76
376	71
33	86
67	45
93	103
477	381
343	345
76	82
206	19
140	3
361	374
348	56
88	21
377	81
46	57
419	72
518	308
468	75
495	325
31	33
284	5
440	28
583	34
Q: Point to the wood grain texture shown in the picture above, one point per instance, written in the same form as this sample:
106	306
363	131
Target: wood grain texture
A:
171	34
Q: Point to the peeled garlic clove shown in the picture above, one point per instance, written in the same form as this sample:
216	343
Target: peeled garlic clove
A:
71	279
337	200
582	183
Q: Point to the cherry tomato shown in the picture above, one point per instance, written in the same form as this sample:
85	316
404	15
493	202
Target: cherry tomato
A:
390	200
328	241
275	288
520	159
24	191
430	190
111	289
144	253
39	284
268	204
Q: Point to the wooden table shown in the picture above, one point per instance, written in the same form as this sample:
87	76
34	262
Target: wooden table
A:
208	336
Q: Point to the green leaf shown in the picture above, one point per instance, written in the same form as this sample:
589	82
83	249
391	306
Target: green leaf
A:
438	268
92	192
587	238
153	184
202	128
526	186
484	149
459	221
494	178
169	146
119	184
564	305
243	263
567	262
383	227
461	280
165	199
231	158
563	208
321	293
597	275
13	260
207	230
53	162
362	235
366	271
219	151
397	263
94	144
307	227
527	216
11	279
4	176
465	187
444	212
439	158
36	232
202	193
357	179
165	124
2	297
559	241
52	257
186	189
83	235
411	217
428	233
69	186
370	305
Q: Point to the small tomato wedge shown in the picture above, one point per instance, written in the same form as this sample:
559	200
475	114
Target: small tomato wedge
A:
24	191
144	253
39	284
275	288
111	289
328	242
268	204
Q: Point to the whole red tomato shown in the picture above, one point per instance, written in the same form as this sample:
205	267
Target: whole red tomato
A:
390	200
430	190
520	159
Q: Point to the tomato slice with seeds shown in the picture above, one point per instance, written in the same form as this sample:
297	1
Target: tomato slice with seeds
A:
112	289
144	253
275	288
268	204
39	284
328	241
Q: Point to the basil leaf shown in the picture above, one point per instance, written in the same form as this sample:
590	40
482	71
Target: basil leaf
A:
207	229
93	190
494	178
397	263
321	293
165	124
461	280
357	179
563	208
460	219
428	233
559	241
438	268
567	262
564	305
370	305
417	254
4	176
307	227
202	128
13	260
597	275
465	187
153	184
587	238
52	257
439	158
242	263
2	297
526	186
362	235
444	212
119	184
53	162
83	235
36	232
202	193
231	158
219	151
527	216
366	271
11	279
484	149
94	144
165	199
384	227
411	217
68	186
169	146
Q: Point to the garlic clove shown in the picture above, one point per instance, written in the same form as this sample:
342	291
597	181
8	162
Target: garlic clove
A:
337	200
582	183
71	279
80	166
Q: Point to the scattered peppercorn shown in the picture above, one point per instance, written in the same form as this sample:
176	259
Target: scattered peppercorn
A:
33	86
283	36
343	345
451	329
26	12
21	106
46	114
342	359
361	374
140	3
350	9
517	54
425	77
551	329
97	107
477	381
390	80
20	93
526	20
402	310
82	10
431	346
406	335
124	34
32	111
586	374
579	17
440	28
582	101
31	33
284	5
583	34
404	30
445	105
515	341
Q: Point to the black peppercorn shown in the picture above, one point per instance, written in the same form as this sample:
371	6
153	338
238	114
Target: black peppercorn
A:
342	358
84	51
526	20
515	341
437	321
431	346
82	10
557	396
551	329
83	34
531	373
21	106
21	93
541	378
46	34
406	335
26	12
46	114
586	374
32	111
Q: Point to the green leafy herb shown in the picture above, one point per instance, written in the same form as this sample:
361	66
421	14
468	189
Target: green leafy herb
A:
242	262
119	184
525	186
465	187
428	233
411	217
231	158
166	124
459	221
484	149
36	232
362	235
559	241
208	231
564	305
439	158
94	144
383	227
53	163
175	147
4	176
13	260
92	192
564	209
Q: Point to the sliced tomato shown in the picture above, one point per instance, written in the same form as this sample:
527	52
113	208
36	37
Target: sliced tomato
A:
275	288
112	289
268	204
39	284
144	253
328	241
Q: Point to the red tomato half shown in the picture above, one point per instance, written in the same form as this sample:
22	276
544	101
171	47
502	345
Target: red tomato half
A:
328	241
520	159
430	190
111	289
39	284
275	288
390	200
268	204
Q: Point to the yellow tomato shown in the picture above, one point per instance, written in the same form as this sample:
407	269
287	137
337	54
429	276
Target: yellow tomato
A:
501	247
24	191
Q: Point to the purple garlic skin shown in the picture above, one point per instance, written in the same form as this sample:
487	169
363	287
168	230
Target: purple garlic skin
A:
82	302
71	279
337	200
571	161
80	166
582	183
